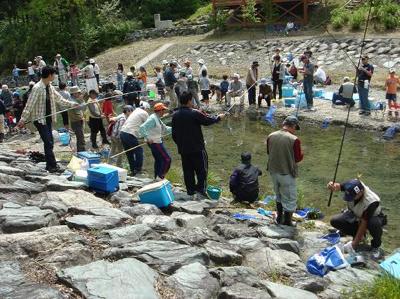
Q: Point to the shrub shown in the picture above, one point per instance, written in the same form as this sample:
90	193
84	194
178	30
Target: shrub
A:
383	287
357	19
218	21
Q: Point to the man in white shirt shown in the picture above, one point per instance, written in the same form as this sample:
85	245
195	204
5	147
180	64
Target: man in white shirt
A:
202	66
130	139
319	75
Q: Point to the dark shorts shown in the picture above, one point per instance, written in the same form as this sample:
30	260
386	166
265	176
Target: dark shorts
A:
391	97
205	94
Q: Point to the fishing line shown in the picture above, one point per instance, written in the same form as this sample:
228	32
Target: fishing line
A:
349	108
80	106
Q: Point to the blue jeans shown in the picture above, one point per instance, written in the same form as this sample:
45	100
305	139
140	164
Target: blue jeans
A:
308	92
120	84
135	157
363	93
162	160
46	135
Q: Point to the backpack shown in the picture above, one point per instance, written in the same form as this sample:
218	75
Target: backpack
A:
132	85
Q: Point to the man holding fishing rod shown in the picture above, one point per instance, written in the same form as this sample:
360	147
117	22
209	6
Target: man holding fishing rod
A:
41	110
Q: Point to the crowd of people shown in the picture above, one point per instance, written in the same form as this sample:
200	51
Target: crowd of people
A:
179	88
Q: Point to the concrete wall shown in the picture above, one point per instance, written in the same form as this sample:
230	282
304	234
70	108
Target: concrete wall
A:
158	24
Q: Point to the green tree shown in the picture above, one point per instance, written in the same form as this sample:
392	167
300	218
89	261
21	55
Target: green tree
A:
249	12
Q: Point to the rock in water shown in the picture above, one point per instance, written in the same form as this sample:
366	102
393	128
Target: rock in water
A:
127	278
194	281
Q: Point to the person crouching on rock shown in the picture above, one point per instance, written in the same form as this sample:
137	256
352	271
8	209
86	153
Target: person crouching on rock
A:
153	129
363	213
243	182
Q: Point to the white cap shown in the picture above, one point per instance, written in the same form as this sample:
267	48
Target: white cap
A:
91	60
392	70
165	61
129	74
200	61
29	62
235	75
144	105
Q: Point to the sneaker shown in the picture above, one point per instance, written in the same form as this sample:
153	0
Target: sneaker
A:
376	253
53	169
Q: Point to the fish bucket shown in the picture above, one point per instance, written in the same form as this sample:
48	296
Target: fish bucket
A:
214	192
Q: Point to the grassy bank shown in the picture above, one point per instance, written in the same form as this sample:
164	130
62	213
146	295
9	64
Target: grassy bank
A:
383	287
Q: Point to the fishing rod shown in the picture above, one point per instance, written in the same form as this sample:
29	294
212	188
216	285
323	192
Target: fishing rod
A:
80	106
132	148
349	108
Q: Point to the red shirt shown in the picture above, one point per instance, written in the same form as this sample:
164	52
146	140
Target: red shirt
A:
108	109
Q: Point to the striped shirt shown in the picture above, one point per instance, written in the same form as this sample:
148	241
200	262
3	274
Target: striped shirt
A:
35	109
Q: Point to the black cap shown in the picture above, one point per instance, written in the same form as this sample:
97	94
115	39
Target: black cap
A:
246	157
351	189
292	121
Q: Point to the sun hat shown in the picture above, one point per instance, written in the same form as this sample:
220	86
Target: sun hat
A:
392	70
165	61
129	74
235	75
200	61
58	55
160	107
351	189
91	60
74	89
292	121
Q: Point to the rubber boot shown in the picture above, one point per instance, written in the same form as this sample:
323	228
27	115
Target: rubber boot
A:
279	211
288	219
1	137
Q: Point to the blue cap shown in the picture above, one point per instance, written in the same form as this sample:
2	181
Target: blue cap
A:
351	189
15	94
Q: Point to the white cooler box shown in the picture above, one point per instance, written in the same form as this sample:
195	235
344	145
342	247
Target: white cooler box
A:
122	173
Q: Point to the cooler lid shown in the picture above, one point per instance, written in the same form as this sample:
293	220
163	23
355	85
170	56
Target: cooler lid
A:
153	186
88	155
102	170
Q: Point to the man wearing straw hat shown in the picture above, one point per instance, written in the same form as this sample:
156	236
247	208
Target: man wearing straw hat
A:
41	110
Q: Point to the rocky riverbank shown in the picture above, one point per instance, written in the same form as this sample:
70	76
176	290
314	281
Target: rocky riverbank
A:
59	240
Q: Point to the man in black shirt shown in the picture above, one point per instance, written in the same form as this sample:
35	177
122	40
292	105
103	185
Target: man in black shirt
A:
188	136
364	213
364	74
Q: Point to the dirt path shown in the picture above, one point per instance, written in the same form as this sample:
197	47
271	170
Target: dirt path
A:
145	60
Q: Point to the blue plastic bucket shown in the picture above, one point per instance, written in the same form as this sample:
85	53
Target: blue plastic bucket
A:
214	192
64	138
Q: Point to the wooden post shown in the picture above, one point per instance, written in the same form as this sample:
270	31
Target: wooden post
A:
305	17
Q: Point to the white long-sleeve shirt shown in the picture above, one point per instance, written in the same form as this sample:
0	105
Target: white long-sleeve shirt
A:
134	121
320	73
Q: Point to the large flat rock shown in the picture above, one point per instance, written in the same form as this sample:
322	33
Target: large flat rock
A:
188	220
191	236
228	276
229	231
193	207
164	256
243	291
223	253
247	244
14	284
267	260
56	246
123	279
283	291
16	218
99	218
158	222
142	209
128	234
22	186
11	171
277	231
194	281
67	201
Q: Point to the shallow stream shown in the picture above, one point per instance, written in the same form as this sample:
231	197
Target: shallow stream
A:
364	153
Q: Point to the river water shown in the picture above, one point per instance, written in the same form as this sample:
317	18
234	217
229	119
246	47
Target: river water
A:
364	153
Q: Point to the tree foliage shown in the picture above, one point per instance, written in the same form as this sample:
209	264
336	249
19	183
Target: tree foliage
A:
76	28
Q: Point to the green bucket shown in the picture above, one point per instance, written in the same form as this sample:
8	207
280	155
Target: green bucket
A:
152	94
214	192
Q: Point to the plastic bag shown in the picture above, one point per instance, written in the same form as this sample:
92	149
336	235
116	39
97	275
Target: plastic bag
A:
74	164
331	258
269	116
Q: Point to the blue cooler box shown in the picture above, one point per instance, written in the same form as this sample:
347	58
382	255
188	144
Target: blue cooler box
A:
318	93
93	158
103	179
289	102
159	194
287	91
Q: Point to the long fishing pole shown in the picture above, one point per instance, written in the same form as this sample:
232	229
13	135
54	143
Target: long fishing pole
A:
348	109
80	106
132	148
